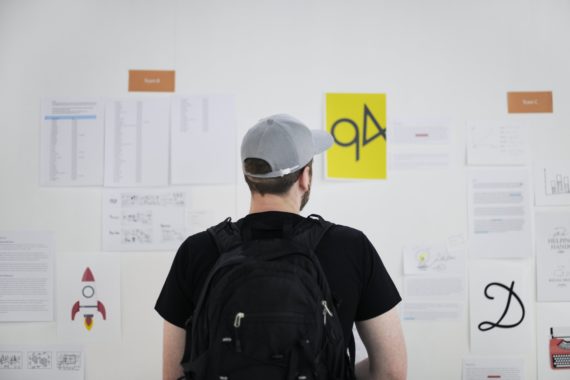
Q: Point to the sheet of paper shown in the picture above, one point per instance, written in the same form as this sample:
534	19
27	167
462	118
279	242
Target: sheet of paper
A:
552	183
143	220
42	362
497	143
499	213
89	297
553	256
419	145
430	298
203	134
26	276
72	142
137	142
553	340
485	368
436	258
499	298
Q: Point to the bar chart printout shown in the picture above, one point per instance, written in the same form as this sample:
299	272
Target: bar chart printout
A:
552	183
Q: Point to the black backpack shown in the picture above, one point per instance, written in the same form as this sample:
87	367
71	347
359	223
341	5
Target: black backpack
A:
265	310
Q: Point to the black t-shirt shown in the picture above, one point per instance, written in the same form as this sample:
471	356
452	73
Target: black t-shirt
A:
357	278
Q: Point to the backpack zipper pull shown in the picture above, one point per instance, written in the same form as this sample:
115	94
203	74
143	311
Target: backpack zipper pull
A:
326	311
237	323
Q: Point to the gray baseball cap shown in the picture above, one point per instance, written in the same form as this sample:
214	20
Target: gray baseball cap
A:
285	143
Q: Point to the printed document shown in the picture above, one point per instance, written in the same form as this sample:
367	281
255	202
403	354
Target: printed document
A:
72	142
143	220
485	368
496	143
499	213
553	256
203	137
137	142
26	276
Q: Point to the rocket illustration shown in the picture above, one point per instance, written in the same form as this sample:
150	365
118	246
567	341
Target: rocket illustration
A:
87	303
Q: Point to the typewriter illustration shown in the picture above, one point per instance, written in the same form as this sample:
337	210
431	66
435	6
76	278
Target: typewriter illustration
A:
560	347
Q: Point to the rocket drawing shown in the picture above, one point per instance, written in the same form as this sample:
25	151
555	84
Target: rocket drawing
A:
87	303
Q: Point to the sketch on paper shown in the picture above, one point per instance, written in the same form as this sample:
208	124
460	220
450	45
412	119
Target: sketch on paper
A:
68	361
11	360
39	360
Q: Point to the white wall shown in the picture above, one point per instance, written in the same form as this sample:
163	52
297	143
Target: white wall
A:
447	59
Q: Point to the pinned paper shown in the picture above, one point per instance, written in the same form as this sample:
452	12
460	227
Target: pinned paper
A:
357	123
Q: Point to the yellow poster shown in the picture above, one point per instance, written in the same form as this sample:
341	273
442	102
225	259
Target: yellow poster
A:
357	123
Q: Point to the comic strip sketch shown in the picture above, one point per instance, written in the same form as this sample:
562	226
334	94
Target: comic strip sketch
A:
68	361
39	360
11	360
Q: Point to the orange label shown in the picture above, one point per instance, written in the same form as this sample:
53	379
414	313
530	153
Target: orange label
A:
151	80
530	102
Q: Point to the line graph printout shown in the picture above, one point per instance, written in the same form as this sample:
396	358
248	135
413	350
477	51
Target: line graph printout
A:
203	131
143	220
42	362
497	143
552	183
137	142
499	213
71	147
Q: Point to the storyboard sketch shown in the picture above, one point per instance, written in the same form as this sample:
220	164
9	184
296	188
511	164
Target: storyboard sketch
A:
26	276
42	362
143	220
72	142
203	134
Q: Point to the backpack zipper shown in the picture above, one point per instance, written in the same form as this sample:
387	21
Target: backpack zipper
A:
326	311
237	323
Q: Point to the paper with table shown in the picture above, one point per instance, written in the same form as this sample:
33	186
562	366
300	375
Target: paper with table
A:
137	142
497	143
203	136
72	138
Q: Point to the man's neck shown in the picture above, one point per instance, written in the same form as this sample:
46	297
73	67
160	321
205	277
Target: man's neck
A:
271	202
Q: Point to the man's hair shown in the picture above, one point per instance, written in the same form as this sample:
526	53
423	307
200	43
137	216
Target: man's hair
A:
277	185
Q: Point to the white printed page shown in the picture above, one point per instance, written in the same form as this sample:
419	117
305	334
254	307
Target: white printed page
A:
419	145
553	256
143	220
42	362
72	138
203	140
26	276
499	213
486	368
497	143
137	142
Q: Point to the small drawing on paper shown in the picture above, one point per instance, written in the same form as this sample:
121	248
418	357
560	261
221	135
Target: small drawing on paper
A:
39	360
137	236
11	360
68	361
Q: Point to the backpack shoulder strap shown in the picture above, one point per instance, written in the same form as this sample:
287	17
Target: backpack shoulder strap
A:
310	231
226	235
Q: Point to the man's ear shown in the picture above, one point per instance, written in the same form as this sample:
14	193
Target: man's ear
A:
305	179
